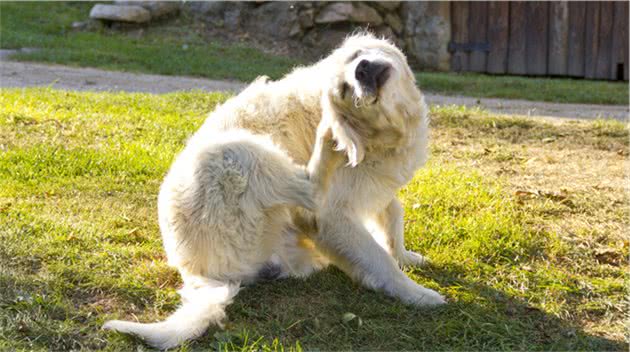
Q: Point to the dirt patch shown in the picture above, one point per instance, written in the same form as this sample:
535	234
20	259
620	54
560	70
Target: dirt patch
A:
21	74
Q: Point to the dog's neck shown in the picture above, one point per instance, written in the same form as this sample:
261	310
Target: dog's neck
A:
384	140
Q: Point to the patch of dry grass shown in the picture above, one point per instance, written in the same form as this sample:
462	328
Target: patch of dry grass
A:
570	178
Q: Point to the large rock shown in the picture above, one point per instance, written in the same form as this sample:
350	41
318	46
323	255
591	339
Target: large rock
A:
134	14
275	19
157	9
427	33
394	22
357	12
325	39
385	32
205	8
306	18
387	5
223	14
233	17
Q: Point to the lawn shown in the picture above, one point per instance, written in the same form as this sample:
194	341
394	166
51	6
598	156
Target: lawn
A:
525	221
182	47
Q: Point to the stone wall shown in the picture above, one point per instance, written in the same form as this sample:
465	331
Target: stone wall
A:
427	33
311	29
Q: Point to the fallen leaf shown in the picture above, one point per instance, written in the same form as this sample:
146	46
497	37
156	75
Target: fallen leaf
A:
4	207
348	317
531	160
553	195
351	318
526	194
608	256
558	196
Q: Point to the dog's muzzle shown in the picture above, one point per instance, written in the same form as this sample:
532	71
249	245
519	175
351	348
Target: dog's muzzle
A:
372	75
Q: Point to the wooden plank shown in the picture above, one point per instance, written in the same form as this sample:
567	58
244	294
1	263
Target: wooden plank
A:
478	26
558	37
625	42
577	26
459	28
591	39
604	52
537	13
498	36
619	40
516	45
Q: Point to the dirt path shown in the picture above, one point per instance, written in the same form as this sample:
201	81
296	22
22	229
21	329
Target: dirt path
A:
20	74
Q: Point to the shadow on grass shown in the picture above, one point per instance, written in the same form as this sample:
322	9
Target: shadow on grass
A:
310	313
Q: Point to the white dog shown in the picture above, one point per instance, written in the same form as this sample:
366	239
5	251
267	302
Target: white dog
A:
366	94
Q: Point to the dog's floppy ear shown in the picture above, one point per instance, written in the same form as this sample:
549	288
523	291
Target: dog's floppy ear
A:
347	138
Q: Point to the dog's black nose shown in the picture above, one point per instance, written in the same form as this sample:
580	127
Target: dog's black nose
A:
372	75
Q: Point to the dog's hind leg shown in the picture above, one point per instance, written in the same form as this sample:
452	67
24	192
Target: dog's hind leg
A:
272	178
324	161
288	186
280	182
297	255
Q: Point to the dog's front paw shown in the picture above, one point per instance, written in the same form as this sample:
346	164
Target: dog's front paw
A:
432	298
426	297
413	259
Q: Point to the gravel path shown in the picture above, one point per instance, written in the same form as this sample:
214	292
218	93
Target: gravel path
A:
21	74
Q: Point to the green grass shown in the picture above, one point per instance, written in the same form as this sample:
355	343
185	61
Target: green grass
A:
79	241
176	48
180	47
560	90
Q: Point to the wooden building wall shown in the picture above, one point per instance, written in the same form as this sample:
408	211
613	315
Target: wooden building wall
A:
575	39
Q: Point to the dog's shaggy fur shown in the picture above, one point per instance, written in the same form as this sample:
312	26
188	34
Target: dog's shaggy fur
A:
229	206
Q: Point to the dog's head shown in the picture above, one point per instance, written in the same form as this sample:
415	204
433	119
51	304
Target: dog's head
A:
371	97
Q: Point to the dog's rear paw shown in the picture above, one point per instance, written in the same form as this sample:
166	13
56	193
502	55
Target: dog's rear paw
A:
270	271
114	325
413	259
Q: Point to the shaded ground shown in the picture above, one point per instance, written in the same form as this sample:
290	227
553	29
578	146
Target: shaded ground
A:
20	74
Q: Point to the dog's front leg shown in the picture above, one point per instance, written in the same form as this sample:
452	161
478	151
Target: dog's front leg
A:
391	221
351	247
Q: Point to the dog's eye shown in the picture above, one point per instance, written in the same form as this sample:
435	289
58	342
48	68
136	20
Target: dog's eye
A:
353	56
344	90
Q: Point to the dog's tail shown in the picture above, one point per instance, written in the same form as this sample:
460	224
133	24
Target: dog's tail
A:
201	307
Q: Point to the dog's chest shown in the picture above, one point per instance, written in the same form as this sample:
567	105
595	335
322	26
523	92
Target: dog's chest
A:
397	167
372	184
